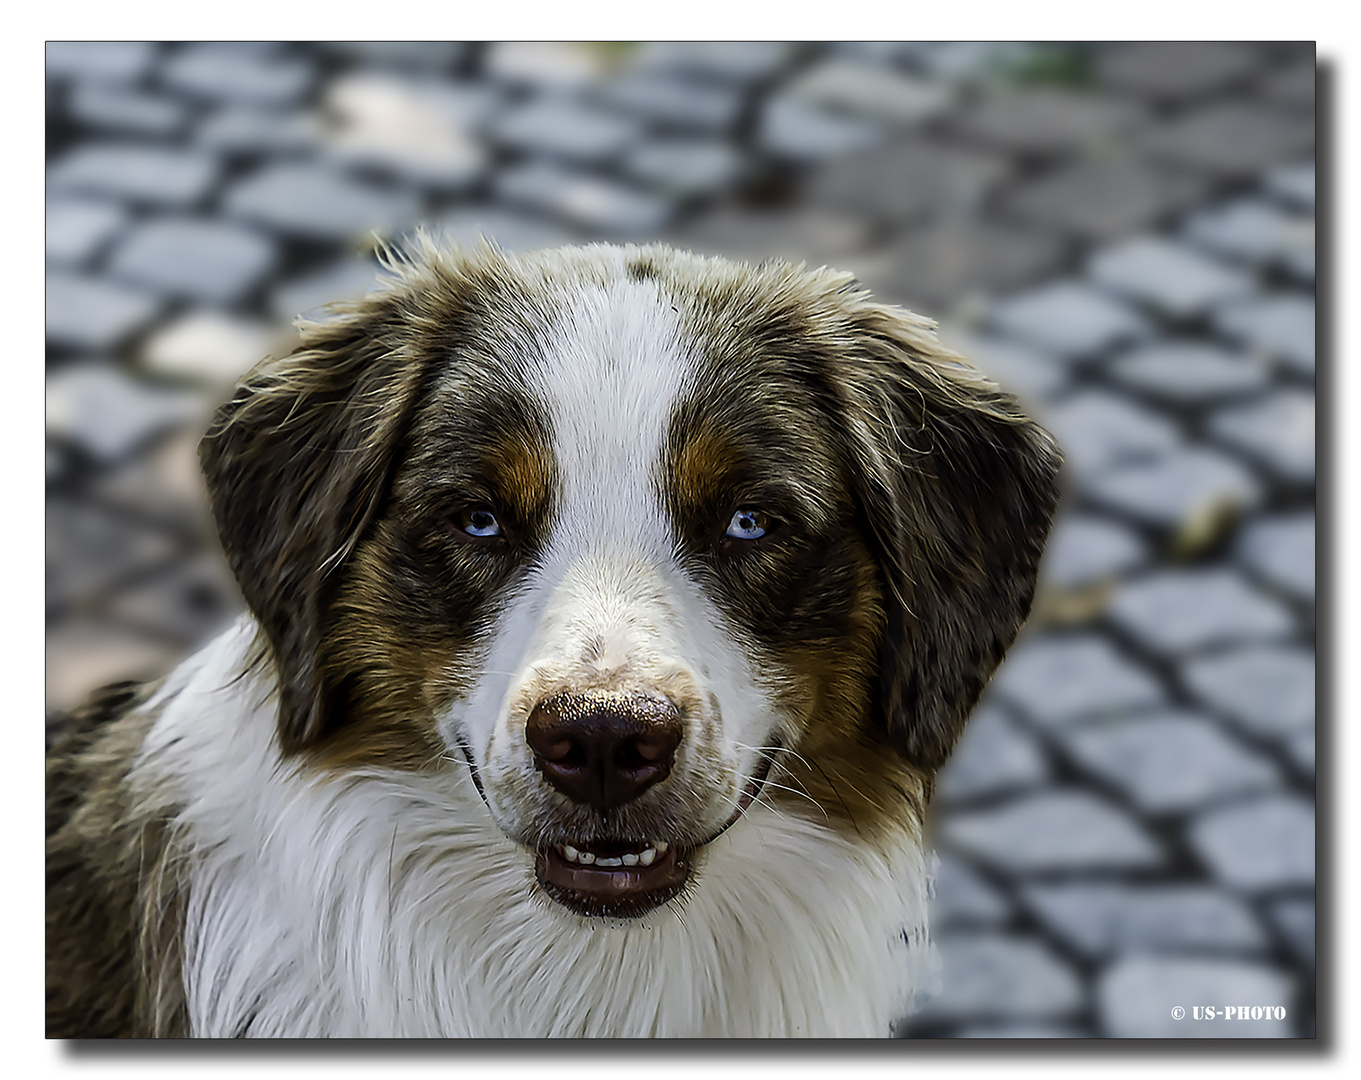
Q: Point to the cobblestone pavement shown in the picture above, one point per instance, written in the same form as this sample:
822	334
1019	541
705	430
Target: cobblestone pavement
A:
1122	234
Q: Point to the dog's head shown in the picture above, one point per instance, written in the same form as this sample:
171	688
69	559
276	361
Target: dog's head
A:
636	537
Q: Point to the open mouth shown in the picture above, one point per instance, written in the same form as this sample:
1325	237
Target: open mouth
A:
626	878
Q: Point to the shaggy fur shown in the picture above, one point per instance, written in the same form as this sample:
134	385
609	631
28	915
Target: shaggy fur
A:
607	473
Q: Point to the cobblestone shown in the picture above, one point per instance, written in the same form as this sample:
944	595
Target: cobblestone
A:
1187	373
91	551
1170	490
1276	432
1280	326
314	203
208	346
80	657
1229	140
805	134
1294	921
1084	550
1170	762
1101	200
685	167
198	259
864	90
345	279
510	232
1255	231
963	898
1293	88
108	415
1301	750
1137	994
1263	691
585	200
1174	280
992	757
808	234
256	132
994	975
1105	919
1172	612
1070	318
552	66
567	130
1175	72
1281	549
1049	122
192	603
742	63
126	112
78	230
675	101
225	71
100	61
1258	846
1293	183
1102	430
92	314
158	175
1017	368
1054	830
1057	682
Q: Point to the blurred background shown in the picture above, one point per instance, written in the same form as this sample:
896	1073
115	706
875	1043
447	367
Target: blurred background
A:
1123	234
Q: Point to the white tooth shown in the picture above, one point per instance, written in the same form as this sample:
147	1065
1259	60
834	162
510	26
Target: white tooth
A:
569	851
585	857
630	860
609	862
662	847
647	856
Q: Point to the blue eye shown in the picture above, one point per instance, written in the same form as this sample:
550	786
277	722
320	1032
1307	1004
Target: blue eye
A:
748	524
479	521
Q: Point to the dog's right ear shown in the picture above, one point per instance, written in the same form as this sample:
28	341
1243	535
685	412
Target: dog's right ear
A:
297	464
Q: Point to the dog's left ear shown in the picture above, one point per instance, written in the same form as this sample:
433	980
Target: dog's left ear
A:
957	488
297	464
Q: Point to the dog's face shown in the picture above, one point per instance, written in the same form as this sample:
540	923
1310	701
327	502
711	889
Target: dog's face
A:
637	538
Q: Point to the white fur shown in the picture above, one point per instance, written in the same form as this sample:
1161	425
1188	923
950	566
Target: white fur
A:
390	904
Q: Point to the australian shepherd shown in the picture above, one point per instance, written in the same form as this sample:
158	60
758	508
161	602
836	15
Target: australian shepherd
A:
610	613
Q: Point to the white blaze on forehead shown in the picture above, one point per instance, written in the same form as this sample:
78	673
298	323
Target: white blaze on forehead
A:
613	373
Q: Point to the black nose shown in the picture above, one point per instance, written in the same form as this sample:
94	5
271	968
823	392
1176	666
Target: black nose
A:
604	749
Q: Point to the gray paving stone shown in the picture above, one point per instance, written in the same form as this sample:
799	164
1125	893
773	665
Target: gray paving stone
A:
1282	550
1256	231
1294	920
566	129
1174	280
675	101
685	167
1070	318
1098	430
1063	681
222	71
998	976
108	415
191	603
1177	72
149	174
1229	140
881	93
1171	612
1169	762
100	61
79	657
993	757
1180	372
208	346
90	551
584	199
1174	488
913	176
1015	367
805	134
1280	326
403	55
1084	550
1048	121
1057	830
1264	691
93	314
197	259
255	132
1302	753
1293	183
77	230
1293	87
1276	432
817	236
1260	845
741	62
1102	200
544	65
129	112
316	203
306	297
967	61
946	260
1021	1030
963	898
509	231
1136	996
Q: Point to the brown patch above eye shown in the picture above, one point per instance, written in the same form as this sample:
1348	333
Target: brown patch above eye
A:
522	474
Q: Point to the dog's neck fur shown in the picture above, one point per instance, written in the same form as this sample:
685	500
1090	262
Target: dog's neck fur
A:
389	904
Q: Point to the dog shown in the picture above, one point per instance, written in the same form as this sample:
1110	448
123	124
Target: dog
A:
610	612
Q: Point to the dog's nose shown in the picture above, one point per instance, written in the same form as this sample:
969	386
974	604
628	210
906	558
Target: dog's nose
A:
604	749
